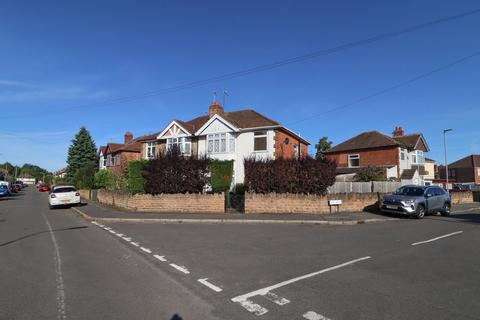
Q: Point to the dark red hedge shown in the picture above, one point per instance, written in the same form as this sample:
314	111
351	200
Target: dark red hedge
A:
308	176
171	172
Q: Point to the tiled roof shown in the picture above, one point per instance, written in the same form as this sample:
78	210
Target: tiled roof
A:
408	174
148	137
408	140
470	161
365	140
102	149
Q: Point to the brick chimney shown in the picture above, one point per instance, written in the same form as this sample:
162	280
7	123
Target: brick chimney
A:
215	108
128	137
398	132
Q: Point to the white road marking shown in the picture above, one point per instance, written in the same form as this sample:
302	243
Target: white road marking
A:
310	315
136	244
127	239
112	231
146	250
161	258
107	228
205	282
437	238
252	307
120	235
180	268
61	305
100	225
276	299
95	223
265	290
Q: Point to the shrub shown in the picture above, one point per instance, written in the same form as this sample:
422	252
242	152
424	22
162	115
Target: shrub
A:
135	180
220	175
171	172
103	178
308	176
368	174
84	177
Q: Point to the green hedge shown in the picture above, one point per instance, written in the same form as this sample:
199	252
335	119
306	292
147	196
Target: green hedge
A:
135	180
221	175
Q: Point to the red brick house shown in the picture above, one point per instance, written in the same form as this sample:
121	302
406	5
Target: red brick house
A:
401	156
465	170
117	155
223	135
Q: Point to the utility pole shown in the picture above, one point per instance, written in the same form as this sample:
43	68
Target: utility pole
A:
446	161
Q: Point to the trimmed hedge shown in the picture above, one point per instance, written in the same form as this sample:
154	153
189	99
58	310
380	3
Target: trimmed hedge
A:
308	176
135	179
220	175
171	172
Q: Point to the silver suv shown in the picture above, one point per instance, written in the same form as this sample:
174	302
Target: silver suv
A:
417	201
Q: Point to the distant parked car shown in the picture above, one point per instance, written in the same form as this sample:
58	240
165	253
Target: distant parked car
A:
63	195
417	201
43	188
4	191
13	189
18	187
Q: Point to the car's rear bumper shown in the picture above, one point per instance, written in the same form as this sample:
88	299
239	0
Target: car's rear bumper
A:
64	202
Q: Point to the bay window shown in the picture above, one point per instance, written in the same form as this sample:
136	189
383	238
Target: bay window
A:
184	145
220	143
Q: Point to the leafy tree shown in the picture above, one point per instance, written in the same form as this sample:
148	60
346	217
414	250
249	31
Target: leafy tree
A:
323	145
84	177
81	154
368	174
103	179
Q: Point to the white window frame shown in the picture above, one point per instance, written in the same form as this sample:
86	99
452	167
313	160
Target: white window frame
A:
356	157
478	172
260	134
109	160
182	143
220	143
402	154
420	157
151	150
414	158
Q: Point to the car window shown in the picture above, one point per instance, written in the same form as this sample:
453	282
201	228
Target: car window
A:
410	191
64	189
3	186
439	191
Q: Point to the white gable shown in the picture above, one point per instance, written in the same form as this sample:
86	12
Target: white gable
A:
173	130
216	125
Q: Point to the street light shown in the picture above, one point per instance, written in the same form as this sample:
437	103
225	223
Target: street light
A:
445	148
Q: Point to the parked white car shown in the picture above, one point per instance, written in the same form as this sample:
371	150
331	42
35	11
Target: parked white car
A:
63	196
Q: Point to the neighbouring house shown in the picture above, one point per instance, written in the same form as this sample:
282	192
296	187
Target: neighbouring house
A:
102	157
234	135
118	154
465	170
62	173
431	170
400	156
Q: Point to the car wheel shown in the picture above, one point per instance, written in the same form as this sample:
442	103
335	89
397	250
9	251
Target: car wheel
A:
446	209
420	212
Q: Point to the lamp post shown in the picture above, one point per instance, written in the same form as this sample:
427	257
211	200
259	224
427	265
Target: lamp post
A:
446	161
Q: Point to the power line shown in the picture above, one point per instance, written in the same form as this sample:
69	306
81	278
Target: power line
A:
260	68
394	87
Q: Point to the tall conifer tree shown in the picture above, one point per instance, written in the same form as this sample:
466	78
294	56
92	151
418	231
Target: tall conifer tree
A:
81	154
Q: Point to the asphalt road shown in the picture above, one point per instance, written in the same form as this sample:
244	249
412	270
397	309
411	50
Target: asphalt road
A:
84	270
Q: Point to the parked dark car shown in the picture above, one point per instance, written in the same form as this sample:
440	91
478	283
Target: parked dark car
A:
4	191
13	189
417	201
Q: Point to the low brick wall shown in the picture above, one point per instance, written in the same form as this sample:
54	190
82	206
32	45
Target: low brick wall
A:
171	203
300	203
84	194
462	197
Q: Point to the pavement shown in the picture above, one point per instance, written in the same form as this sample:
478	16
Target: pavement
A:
95	211
57	264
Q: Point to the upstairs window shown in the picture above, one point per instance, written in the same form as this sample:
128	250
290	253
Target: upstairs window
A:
414	158
184	144
220	143
420	157
402	154
151	150
260	141
478	172
354	160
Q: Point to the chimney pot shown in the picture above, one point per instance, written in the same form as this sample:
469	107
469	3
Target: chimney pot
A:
128	137
398	132
215	108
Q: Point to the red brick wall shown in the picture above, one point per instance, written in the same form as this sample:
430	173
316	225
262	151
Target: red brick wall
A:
169	203
124	158
369	157
287	151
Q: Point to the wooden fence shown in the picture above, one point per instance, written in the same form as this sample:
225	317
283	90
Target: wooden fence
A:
364	187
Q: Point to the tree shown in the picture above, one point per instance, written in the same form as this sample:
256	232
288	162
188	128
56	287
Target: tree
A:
323	145
369	174
82	154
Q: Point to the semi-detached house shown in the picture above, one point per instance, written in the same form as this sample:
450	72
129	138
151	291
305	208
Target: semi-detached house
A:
400	156
224	135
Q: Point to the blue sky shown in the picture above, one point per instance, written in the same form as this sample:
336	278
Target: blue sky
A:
58	57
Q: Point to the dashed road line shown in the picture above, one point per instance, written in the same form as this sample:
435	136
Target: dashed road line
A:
252	307
276	299
210	285
145	250
437	238
128	239
136	244
180	268
311	315
161	258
